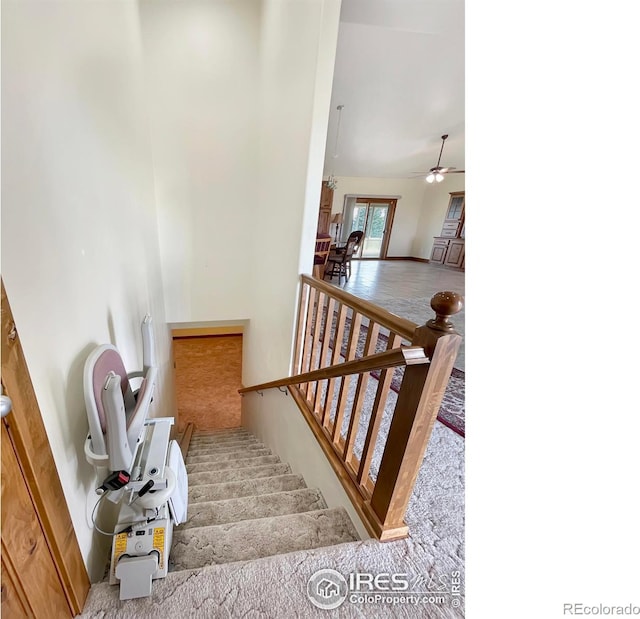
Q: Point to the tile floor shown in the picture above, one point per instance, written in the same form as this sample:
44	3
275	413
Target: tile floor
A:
405	288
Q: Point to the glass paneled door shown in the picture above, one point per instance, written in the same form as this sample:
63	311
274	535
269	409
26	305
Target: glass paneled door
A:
374	217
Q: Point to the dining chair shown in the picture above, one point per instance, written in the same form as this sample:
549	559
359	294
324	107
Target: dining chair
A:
321	254
340	257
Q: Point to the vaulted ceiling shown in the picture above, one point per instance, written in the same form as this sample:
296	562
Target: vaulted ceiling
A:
400	75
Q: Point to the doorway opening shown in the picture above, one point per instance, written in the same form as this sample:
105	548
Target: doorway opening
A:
208	374
374	216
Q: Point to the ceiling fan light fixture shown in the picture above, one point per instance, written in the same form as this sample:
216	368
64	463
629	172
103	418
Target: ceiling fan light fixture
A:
437	173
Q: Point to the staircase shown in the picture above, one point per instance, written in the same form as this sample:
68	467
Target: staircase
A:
244	504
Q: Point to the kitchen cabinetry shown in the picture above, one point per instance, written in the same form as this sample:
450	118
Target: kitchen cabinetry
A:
455	254
454	219
449	252
324	215
448	248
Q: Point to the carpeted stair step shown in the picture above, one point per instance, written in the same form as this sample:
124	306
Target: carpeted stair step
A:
213	438
225	447
249	487
250	508
238	474
232	464
239	436
221	442
253	539
222	432
220	436
227	456
238	444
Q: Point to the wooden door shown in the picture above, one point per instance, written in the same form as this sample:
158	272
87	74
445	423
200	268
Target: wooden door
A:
30	583
43	573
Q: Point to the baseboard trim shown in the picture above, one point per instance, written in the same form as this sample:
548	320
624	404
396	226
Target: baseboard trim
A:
411	258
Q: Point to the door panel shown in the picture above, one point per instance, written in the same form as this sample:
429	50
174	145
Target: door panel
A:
374	216
455	254
25	546
359	217
376	228
14	603
30	468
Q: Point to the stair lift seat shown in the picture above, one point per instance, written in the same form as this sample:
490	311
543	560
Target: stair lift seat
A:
137	465
107	386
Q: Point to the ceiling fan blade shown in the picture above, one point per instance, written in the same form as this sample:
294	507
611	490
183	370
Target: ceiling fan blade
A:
451	170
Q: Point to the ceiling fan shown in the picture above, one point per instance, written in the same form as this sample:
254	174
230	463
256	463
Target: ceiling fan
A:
437	172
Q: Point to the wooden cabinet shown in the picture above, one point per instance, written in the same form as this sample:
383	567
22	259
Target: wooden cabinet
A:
324	215
455	254
439	251
448	252
454	219
448	248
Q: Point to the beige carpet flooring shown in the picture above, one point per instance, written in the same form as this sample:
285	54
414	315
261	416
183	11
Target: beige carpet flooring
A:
275	586
244	505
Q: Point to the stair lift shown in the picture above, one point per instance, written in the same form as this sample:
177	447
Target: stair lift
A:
138	466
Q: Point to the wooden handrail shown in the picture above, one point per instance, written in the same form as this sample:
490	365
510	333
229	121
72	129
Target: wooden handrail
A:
401	326
405	355
185	440
333	325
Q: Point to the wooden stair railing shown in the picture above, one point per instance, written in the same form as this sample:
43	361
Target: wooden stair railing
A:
341	341
185	440
410	355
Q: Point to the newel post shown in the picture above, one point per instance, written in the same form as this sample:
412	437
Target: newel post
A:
416	411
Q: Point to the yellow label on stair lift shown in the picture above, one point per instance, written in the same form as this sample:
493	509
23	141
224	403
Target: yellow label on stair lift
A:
120	547
158	544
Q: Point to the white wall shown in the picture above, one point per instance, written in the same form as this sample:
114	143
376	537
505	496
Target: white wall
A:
432	212
408	208
297	54
201	66
297	58
239	97
276	419
239	123
80	257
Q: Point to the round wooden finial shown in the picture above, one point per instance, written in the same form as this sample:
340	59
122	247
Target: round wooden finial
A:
445	304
